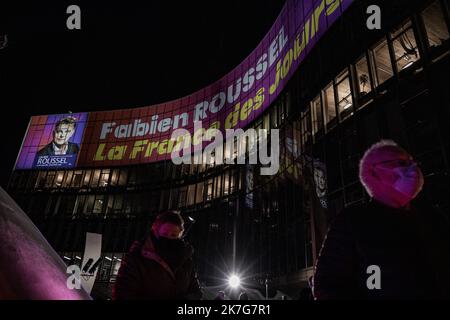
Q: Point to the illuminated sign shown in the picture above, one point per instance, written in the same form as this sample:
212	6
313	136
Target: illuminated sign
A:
141	135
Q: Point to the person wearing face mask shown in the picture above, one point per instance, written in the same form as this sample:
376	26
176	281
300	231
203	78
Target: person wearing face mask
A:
160	266
404	237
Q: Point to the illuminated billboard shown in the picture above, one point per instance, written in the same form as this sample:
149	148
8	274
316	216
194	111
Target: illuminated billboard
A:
142	135
52	141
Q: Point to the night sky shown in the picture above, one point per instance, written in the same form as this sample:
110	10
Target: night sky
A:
125	55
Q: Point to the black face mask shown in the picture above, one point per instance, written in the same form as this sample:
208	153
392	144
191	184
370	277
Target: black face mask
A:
167	246
171	250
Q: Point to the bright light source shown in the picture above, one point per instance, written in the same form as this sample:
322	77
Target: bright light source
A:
408	65
234	281
67	258
79	258
108	258
347	106
190	218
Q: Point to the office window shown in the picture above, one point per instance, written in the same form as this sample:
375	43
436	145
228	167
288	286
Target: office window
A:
118	203
274	117
115	177
218	192
306	125
87	178
123	177
40	182
79	204
98	204
191	195
209	190
317	116
435	25
95	178
344	94
89	204
182	197
363	77
329	105
199	193
77	177
405	46
226	183
49	179
68	179
381	62
117	261
104	178
58	179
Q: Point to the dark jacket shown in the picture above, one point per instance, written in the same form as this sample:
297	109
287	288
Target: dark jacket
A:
72	148
143	274
412	250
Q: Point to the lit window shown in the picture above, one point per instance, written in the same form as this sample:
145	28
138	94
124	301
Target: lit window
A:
317	115
329	105
306	125
363	78
382	62
405	46
435	26
98	205
344	93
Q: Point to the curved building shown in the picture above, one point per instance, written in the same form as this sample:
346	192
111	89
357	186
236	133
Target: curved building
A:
331	86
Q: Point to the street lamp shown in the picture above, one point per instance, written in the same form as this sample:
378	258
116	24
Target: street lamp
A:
234	281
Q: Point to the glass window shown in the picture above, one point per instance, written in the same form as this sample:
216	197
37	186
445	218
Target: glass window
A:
405	46
191	195
123	177
274	116
435	26
95	178
209	194
109	205
363	78
59	179
266	122
317	116
306	126
77	177
344	93
381	62
49	179
199	194
89	204
40	183
79	204
104	178
182	197
329	104
218	187
118	202
105	268
116	260
226	183
98	204
68	179
115	177
87	177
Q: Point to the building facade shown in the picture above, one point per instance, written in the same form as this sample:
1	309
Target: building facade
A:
355	87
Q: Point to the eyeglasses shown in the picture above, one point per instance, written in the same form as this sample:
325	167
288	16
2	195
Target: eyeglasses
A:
396	163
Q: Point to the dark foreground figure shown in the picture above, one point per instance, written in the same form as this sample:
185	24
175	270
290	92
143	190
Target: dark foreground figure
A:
160	267
408	240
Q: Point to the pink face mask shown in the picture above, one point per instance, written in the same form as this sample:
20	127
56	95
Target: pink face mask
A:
401	181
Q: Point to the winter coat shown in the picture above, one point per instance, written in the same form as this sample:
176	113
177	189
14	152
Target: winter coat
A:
143	274
411	249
